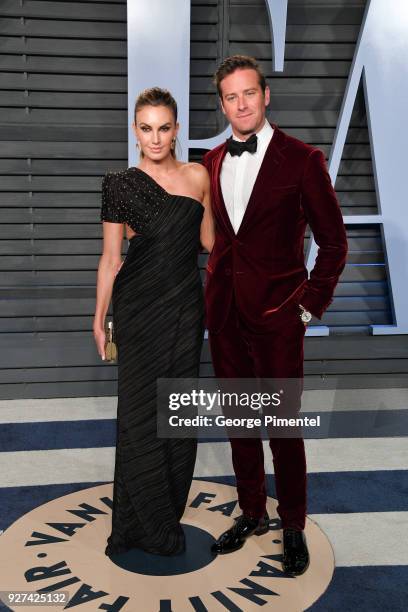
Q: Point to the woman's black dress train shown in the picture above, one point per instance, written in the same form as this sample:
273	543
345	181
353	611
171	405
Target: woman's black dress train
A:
158	316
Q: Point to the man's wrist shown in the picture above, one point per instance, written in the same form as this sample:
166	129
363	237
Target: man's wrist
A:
305	315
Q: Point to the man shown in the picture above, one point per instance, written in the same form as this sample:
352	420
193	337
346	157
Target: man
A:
266	187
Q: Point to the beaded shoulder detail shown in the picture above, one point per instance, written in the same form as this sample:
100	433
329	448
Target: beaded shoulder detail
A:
130	197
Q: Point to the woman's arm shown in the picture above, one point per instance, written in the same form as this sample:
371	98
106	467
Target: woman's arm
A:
111	258
109	265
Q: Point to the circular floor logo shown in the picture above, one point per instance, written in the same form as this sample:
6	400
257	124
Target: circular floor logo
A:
59	546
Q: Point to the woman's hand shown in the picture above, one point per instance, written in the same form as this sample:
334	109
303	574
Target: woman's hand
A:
99	336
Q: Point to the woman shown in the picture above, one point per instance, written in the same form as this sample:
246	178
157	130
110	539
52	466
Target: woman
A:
158	307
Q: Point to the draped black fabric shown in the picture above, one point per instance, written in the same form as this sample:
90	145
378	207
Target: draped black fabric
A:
158	315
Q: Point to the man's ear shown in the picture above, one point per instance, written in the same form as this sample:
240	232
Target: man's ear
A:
267	95
222	106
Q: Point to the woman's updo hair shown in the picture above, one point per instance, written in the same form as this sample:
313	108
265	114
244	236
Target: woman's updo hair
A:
156	96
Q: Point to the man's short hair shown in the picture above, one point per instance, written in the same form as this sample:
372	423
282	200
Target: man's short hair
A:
237	62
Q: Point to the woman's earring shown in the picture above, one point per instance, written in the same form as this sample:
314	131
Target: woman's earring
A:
137	144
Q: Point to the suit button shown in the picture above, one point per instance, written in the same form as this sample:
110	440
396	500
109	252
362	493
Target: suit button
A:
227	271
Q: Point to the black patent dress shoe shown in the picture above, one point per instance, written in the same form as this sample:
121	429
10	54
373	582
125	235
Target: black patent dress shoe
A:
234	538
295	553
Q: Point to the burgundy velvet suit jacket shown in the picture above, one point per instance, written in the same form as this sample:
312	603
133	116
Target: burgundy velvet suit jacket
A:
263	264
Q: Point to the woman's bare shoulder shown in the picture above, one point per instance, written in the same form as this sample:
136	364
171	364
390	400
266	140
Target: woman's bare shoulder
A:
196	171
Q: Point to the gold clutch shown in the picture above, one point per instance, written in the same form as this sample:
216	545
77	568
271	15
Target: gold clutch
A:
111	351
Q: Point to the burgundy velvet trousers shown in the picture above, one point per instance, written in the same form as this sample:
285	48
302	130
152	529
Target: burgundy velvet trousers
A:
238	352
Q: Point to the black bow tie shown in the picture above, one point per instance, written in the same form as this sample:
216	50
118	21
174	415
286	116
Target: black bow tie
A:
236	147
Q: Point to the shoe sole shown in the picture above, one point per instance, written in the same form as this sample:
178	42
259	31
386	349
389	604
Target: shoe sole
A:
227	552
262	530
296	573
258	532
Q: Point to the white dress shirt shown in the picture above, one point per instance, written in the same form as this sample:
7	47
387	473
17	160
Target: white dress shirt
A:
238	175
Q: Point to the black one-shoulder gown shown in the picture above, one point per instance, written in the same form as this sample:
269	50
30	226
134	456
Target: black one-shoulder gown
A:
158	317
